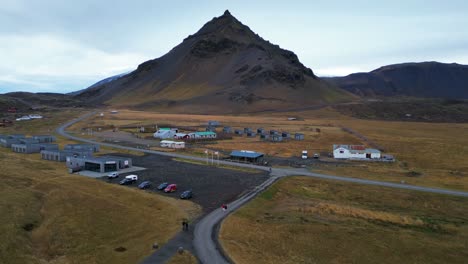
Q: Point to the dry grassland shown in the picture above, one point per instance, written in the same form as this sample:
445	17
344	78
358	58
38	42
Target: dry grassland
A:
184	258
304	220
51	216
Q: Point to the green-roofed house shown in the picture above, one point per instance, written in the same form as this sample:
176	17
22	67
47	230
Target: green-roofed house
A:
204	134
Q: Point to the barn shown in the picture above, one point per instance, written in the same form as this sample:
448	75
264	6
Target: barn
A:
355	152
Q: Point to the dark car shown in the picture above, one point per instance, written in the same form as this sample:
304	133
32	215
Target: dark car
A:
144	185
126	181
163	186
186	194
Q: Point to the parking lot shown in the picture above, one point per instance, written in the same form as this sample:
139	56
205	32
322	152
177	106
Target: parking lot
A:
211	186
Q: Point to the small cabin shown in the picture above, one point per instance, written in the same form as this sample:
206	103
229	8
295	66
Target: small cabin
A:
299	136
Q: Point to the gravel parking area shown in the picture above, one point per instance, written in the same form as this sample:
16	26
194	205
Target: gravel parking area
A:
211	186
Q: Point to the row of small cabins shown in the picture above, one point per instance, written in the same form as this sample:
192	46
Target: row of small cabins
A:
77	156
173	133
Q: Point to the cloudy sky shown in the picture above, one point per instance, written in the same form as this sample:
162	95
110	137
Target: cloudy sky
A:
63	46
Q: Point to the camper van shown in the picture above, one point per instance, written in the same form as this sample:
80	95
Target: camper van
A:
132	177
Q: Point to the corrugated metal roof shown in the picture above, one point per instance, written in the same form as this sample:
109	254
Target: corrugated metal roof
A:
246	154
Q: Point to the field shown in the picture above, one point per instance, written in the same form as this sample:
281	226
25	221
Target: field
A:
304	220
50	216
429	154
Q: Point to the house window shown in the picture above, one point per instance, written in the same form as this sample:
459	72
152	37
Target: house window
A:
341	151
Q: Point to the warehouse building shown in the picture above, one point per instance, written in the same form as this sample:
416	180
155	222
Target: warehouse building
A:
29	148
61	155
246	156
44	138
82	147
98	164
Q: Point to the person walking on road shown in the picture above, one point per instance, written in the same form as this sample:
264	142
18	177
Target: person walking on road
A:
224	207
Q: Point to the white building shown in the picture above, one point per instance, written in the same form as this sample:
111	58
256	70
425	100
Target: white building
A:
163	133
171	144
355	152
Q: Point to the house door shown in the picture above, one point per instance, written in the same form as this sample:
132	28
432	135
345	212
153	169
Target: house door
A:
368	155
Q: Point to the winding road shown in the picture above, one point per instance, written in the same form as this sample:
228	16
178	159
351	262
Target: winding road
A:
205	235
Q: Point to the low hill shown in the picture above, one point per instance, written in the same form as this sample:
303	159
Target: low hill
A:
24	100
224	67
426	79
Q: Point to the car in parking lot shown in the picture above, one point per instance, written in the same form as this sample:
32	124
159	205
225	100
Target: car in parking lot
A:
113	175
162	186
144	185
171	188
186	194
127	181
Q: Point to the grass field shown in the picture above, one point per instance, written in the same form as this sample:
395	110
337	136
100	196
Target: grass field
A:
50	216
304	220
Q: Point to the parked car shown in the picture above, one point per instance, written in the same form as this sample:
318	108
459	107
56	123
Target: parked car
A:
162	186
132	177
144	185
186	194
126	181
113	175
170	188
316	156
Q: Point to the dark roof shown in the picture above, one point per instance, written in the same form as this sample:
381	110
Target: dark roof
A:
246	154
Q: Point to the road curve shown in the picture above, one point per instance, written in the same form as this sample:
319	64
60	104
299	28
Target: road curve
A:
204	235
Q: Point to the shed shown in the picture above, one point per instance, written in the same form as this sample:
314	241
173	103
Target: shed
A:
247	129
251	134
264	136
299	136
246	155
260	130
238	132
213	123
276	138
227	129
211	129
273	132
285	134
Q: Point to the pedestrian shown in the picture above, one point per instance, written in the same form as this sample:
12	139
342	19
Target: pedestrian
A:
186	225
224	206
183	225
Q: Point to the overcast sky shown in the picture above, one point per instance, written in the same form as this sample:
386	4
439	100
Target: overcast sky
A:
63	46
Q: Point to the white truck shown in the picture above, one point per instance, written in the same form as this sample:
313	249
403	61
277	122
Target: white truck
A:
304	154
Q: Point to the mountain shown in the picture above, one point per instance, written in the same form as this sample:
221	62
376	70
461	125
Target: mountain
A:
99	83
25	100
426	79
224	67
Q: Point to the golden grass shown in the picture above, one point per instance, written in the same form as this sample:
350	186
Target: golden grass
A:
185	258
305	220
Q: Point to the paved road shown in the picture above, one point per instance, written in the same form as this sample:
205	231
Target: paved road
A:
205	234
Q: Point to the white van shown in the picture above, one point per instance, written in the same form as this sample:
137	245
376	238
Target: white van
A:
304	154
132	177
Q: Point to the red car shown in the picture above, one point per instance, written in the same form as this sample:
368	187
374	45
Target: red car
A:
171	188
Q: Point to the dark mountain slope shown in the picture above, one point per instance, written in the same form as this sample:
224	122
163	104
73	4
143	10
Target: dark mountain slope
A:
426	79
224	67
